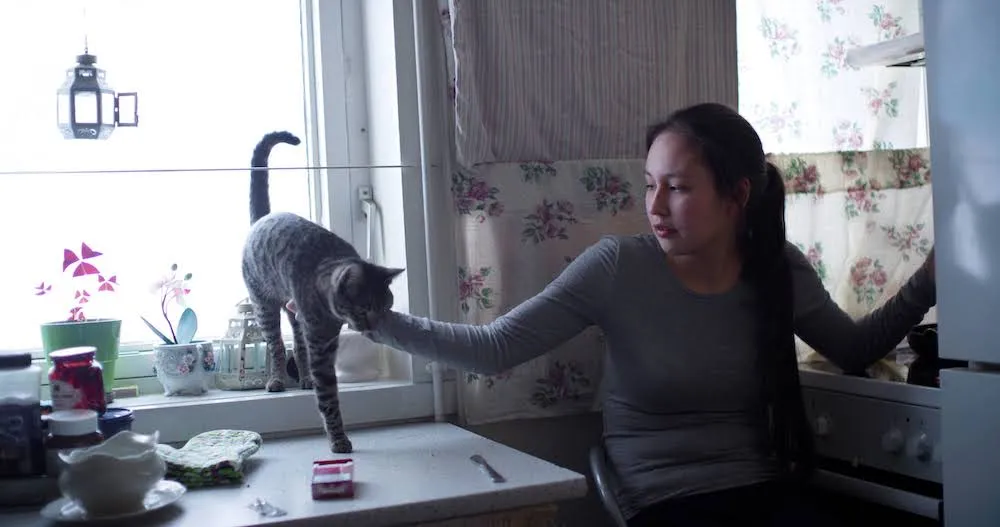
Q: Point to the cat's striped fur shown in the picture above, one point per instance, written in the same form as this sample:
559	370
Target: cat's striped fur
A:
287	257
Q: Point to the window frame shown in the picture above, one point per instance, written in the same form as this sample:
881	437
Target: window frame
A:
336	122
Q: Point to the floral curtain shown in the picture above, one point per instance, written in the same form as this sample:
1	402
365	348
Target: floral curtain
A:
851	142
518	226
800	93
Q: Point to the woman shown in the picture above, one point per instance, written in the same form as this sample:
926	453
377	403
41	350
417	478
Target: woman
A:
703	418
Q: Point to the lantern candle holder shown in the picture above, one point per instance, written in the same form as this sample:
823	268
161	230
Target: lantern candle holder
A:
242	360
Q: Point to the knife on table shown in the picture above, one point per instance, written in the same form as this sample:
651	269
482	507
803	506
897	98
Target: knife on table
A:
490	471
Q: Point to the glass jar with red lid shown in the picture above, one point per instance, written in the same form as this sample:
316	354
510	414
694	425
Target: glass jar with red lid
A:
76	380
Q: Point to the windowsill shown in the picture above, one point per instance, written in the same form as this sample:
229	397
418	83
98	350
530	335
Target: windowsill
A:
214	396
405	475
178	418
394	398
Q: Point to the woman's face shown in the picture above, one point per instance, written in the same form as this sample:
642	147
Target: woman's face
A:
685	211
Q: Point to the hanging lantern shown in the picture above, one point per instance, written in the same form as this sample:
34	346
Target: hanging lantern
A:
241	357
87	108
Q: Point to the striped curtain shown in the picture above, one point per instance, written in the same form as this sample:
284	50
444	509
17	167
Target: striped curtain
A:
562	80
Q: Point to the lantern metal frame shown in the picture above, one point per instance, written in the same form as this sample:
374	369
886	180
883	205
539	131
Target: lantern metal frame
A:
241	356
86	83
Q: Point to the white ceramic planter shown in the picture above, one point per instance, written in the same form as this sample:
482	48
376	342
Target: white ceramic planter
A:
184	369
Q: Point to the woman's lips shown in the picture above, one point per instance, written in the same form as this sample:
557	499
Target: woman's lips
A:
662	231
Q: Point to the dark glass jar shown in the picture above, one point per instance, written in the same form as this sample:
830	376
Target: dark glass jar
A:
68	430
21	451
76	380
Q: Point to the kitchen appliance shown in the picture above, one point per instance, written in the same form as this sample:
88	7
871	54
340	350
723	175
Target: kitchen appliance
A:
877	440
880	440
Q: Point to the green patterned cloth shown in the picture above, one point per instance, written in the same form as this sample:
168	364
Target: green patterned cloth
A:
210	458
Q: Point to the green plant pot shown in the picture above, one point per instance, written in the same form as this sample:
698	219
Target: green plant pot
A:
102	333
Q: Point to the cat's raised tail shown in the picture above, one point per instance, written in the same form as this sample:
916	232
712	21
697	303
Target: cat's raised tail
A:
260	197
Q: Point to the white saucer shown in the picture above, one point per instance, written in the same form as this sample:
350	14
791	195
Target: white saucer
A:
164	493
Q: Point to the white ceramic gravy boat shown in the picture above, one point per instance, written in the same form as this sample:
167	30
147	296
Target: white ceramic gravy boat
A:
114	476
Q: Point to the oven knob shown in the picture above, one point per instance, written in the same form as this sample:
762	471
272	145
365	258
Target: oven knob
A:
893	440
823	425
920	447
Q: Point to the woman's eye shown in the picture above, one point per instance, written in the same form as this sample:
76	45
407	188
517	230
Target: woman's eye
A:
650	186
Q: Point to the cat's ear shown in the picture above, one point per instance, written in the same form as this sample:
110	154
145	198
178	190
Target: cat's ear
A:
392	272
346	277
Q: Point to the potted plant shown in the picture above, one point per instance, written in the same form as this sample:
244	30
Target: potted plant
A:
183	365
84	284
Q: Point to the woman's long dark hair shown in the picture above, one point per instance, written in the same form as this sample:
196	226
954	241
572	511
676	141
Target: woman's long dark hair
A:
732	151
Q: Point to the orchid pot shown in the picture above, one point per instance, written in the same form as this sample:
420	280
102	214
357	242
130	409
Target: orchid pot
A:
183	365
184	369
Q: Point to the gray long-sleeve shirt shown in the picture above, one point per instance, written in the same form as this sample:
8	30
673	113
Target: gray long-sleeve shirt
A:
681	409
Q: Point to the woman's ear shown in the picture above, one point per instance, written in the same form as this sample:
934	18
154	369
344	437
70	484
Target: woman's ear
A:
743	193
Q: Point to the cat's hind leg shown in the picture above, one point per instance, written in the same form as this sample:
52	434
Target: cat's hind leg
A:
269	320
321	340
300	355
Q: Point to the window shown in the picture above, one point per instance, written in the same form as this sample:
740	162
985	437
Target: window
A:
174	189
212	78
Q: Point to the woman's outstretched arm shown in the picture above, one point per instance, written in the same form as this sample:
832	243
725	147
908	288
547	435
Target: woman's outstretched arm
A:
855	344
576	299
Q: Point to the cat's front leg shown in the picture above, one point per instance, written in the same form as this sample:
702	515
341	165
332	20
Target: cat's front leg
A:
300	353
321	340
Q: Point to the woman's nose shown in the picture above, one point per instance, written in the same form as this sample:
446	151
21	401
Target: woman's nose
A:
660	204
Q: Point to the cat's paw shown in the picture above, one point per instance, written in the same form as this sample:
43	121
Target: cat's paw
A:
306	383
341	445
275	384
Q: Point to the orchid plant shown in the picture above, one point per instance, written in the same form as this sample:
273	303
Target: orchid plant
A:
172	289
85	280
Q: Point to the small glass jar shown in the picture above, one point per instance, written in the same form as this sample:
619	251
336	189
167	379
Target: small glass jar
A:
115	420
76	380
21	451
69	429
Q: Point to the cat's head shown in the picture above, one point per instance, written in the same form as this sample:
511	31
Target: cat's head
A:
360	294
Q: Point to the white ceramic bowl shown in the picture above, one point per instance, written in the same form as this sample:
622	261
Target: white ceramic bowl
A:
113	477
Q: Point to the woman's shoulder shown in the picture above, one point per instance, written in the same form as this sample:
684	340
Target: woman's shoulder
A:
610	251
629	244
797	259
807	285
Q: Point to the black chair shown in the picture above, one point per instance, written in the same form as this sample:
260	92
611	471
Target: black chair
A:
607	484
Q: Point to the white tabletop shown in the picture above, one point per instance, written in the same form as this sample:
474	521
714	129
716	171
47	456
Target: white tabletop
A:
403	474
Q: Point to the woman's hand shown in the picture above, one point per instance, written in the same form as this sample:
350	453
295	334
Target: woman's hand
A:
290	306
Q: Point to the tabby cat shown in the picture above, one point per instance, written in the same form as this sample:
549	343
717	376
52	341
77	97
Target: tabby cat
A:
287	257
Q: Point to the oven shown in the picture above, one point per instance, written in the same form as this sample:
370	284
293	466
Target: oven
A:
877	440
